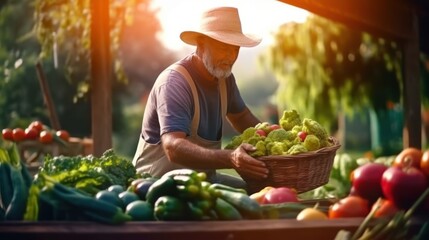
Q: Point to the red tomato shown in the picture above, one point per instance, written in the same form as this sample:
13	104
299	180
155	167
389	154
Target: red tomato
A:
31	133
274	127
424	163
261	132
63	134
18	134
7	134
37	125
302	135
350	206
408	157
386	208
46	136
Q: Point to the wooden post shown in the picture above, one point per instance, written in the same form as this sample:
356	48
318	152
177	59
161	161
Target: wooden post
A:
412	109
55	123
101	91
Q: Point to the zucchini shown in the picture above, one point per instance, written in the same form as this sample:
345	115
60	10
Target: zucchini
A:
165	186
6	187
17	206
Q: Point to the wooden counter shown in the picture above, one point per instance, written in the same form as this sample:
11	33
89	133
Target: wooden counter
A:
222	230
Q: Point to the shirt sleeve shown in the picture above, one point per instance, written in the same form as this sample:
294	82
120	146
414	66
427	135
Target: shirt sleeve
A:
175	105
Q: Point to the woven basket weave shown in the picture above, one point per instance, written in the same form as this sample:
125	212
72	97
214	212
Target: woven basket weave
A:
303	172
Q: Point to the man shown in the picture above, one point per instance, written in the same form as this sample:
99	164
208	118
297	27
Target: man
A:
184	115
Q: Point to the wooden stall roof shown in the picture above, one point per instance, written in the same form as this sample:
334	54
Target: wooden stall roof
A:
405	21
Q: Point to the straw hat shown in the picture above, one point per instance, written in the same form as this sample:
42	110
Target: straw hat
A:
222	24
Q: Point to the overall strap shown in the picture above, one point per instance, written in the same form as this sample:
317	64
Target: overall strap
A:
196	118
223	96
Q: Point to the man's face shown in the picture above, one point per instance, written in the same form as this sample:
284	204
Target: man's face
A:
219	57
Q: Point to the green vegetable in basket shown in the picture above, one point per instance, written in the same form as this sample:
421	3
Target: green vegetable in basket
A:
277	148
290	119
283	140
297	149
261	149
311	142
280	135
311	126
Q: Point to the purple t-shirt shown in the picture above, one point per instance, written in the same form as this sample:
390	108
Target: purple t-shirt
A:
170	106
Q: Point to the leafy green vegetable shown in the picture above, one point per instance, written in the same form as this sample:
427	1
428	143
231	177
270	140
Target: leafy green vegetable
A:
89	173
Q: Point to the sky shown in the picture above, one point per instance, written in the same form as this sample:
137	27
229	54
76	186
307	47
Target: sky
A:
260	17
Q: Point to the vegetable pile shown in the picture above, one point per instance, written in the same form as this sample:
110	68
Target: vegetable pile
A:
292	135
386	195
88	173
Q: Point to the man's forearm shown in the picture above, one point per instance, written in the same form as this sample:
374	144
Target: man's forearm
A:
188	154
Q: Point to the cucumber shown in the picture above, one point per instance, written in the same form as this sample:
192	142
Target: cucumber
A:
220	186
248	208
225	211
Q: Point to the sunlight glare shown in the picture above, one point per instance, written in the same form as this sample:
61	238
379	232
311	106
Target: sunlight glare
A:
260	17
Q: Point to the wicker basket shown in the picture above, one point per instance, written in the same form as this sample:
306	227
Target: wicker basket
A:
303	172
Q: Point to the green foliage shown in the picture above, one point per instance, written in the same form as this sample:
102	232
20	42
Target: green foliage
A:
323	67
26	28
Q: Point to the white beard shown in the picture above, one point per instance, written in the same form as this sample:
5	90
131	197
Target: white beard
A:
216	72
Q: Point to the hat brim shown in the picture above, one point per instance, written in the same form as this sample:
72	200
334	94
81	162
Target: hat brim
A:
232	38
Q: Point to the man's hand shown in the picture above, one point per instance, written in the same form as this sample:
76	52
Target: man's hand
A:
246	165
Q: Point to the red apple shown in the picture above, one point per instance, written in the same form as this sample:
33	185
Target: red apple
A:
403	185
280	195
366	180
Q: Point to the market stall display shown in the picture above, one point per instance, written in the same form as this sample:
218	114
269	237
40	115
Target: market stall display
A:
106	191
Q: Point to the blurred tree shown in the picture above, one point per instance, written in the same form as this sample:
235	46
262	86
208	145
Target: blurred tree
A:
324	68
58	36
